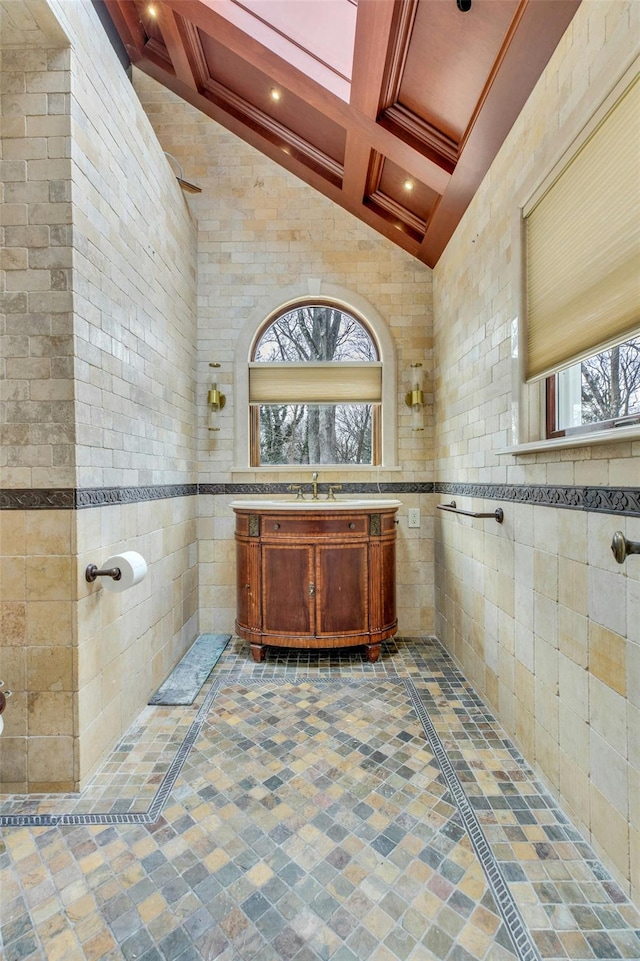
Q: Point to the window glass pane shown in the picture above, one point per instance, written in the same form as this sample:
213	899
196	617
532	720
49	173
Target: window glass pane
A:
316	433
315	332
605	387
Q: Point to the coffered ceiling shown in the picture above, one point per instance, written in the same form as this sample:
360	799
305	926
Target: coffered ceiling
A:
393	109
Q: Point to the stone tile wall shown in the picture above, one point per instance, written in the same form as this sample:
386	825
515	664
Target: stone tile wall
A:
37	430
129	642
37	650
537	611
99	345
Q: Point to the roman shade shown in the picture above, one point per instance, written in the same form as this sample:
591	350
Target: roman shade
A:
582	255
309	383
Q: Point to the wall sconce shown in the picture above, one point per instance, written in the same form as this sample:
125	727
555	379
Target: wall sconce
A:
415	398
216	401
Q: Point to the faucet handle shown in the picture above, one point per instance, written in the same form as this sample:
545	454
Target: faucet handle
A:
332	488
298	488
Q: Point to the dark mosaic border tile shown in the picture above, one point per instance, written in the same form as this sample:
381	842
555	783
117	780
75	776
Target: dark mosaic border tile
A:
511	916
353	487
37	499
605	500
104	496
623	501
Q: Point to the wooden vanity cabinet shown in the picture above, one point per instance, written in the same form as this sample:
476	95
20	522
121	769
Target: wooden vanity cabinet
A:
315	579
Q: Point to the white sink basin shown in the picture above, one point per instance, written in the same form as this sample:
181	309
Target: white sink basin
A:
365	503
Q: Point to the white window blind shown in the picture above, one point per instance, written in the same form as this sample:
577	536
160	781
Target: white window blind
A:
308	383
583	247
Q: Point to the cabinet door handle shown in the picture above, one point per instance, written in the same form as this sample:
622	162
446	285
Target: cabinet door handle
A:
312	590
276	527
352	526
248	586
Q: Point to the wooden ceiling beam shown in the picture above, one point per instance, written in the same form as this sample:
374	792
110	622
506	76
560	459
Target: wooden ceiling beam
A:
127	23
356	167
175	41
373	28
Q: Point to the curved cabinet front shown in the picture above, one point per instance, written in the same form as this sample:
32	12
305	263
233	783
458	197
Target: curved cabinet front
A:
316	579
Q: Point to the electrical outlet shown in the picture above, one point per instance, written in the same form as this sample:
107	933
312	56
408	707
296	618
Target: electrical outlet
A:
413	517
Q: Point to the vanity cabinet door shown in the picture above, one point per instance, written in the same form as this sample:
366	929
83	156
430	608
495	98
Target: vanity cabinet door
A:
288	590
382	568
342	597
248	585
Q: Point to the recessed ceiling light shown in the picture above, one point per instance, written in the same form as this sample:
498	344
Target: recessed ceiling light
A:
275	94
408	185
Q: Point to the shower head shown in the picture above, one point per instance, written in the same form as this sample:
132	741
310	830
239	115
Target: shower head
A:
188	187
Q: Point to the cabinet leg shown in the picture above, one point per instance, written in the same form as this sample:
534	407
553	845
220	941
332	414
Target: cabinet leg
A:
373	652
258	652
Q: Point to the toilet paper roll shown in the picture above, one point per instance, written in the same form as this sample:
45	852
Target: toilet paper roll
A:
133	568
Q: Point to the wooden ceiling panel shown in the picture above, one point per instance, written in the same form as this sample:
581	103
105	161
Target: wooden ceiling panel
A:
406	191
450	60
433	93
255	87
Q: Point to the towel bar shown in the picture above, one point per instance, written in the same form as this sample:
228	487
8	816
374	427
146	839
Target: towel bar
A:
497	515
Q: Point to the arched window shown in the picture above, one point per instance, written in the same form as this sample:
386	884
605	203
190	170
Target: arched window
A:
315	389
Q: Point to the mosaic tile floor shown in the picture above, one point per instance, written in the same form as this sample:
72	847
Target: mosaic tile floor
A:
313	806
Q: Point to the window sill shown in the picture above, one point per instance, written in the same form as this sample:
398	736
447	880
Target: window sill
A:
321	468
614	436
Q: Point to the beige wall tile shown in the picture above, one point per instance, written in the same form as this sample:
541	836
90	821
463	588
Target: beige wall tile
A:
608	715
13	619
48	532
13	761
607	657
575	791
49	623
610	832
12	578
573	631
50	762
50	714
12	533
49	578
50	669
573	584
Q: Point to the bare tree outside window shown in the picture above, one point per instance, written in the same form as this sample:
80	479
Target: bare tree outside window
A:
326	433
600	392
611	383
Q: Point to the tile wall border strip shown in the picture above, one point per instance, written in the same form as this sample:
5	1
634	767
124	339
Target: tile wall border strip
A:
623	501
602	500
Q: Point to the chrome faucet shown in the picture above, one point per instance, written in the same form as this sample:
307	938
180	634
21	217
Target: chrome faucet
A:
314	486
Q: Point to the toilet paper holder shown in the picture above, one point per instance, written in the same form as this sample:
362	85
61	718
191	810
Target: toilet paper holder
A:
3	697
92	572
